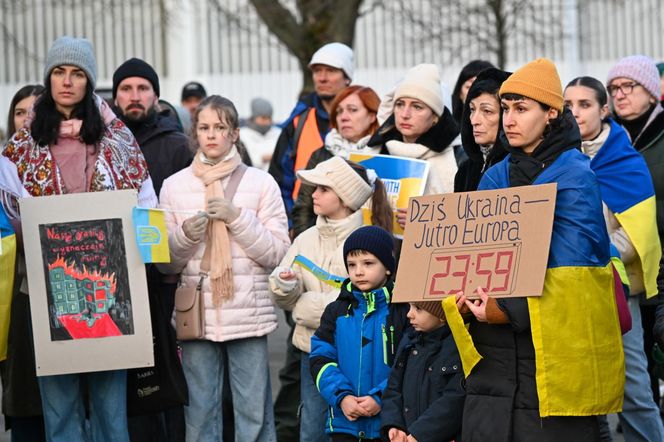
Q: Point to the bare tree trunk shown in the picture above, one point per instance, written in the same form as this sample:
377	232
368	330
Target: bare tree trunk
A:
321	22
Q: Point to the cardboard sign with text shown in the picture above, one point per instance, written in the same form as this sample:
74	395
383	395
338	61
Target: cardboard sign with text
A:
495	239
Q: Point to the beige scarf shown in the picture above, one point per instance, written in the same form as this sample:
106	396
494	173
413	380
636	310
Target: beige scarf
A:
221	273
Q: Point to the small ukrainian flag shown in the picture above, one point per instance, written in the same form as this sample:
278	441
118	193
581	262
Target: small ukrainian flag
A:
151	234
7	263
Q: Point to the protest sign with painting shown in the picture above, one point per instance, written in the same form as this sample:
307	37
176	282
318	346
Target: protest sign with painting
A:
403	178
497	239
87	283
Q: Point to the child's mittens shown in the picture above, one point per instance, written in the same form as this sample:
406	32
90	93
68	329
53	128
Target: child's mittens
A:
285	278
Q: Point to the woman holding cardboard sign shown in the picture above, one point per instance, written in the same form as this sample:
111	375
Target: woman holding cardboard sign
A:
538	378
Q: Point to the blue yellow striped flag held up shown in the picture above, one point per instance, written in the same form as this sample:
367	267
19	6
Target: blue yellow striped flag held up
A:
151	234
7	268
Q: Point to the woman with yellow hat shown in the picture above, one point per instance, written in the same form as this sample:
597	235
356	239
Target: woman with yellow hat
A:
539	376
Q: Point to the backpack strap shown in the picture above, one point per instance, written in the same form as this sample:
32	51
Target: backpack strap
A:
302	119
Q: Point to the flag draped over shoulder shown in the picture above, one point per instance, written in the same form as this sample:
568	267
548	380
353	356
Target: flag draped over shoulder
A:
7	268
580	364
627	190
151	234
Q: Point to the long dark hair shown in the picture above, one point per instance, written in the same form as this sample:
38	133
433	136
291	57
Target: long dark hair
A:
23	93
381	211
469	71
46	123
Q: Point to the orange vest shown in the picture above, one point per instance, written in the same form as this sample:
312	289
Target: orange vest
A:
309	142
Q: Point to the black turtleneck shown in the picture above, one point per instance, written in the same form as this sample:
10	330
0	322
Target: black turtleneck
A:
635	127
525	168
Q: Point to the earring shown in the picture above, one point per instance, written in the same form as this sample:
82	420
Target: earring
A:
387	272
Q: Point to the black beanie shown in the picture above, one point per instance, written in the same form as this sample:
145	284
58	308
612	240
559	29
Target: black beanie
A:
375	240
135	67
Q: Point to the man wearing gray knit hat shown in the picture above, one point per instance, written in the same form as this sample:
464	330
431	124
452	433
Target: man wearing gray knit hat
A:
71	51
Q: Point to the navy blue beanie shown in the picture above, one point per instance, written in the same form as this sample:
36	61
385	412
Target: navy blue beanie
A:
374	240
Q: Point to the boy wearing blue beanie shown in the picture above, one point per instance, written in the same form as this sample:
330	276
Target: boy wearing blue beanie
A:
353	349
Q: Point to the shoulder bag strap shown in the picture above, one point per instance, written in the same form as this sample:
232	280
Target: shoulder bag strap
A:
229	193
298	131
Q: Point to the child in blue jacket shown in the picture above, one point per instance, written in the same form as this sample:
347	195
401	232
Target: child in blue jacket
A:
353	349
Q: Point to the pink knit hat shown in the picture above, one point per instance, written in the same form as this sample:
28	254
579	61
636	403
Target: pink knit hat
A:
639	68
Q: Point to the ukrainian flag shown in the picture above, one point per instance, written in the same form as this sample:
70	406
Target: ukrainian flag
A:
580	364
151	234
7	268
627	190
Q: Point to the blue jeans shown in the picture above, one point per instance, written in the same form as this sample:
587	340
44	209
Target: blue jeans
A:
203	363
313	410
64	410
640	417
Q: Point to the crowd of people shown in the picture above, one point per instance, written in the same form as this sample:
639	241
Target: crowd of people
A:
264	219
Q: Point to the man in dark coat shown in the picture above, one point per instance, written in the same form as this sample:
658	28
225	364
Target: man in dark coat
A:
166	150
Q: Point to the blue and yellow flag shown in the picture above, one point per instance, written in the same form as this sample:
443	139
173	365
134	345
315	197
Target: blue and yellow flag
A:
627	189
580	364
322	275
7	268
151	235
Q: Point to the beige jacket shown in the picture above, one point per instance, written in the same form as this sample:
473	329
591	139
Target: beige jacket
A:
307	297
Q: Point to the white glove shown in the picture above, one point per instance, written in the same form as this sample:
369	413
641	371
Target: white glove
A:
194	227
222	209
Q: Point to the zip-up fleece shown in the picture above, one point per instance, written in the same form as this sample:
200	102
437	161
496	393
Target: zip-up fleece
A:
353	350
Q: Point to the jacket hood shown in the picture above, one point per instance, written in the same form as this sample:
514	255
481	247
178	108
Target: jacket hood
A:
440	136
488	79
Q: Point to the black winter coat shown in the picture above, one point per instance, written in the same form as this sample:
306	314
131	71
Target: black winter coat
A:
164	146
425	395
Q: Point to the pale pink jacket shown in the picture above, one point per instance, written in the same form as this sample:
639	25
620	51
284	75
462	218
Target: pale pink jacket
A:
259	240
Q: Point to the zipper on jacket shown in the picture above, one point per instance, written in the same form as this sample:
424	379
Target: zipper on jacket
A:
392	338
382	326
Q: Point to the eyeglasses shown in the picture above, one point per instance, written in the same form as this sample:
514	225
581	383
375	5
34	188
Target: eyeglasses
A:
625	88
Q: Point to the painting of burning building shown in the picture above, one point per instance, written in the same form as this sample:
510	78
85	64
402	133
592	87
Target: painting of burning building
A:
87	285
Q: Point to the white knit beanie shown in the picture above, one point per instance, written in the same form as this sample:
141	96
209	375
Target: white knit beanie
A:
72	52
337	174
337	55
422	82
639	68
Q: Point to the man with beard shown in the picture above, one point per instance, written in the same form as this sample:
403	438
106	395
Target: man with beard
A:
166	150
304	131
136	94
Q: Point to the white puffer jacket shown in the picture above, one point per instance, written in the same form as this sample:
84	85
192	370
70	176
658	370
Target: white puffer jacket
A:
259	240
307	298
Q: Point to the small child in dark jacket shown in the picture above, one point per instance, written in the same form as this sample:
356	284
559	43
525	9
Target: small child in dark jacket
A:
354	347
424	397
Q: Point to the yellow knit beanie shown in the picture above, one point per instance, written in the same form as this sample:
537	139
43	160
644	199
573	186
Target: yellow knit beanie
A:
538	80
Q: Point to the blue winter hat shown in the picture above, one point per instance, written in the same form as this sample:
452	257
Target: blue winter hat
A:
374	240
72	52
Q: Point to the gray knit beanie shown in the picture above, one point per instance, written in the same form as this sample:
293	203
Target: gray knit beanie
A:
72	52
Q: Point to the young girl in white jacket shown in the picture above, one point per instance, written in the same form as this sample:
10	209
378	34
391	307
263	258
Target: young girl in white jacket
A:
247	237
342	188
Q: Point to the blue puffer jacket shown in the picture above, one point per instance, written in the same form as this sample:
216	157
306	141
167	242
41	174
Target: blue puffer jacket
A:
352	352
